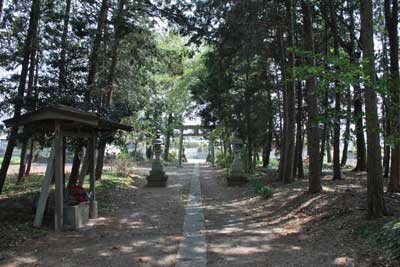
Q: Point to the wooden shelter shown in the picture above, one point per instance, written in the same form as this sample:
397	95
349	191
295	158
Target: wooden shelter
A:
62	121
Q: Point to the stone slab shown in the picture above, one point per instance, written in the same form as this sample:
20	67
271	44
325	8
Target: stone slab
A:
192	250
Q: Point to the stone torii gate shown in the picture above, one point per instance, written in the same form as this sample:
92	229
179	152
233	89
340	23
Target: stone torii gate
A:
193	130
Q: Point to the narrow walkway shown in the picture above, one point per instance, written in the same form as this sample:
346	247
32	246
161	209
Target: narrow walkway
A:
192	250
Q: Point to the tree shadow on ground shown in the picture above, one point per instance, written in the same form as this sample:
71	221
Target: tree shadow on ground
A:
142	227
293	228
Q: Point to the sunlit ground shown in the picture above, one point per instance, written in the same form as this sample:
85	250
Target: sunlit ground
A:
200	161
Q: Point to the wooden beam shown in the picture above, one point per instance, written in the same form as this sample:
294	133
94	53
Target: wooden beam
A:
44	193
79	134
58	176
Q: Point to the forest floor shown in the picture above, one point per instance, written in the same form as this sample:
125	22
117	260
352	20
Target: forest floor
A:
141	226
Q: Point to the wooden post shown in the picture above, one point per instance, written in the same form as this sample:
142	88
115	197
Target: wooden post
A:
58	176
91	165
180	148
44	193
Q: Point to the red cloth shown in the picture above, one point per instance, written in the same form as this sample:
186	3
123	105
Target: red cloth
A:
78	193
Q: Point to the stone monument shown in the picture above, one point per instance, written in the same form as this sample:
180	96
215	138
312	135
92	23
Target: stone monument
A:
157	177
236	174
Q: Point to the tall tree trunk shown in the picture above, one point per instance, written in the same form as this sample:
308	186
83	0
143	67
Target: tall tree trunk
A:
359	129
386	121
266	150
337	174
76	162
1	9
328	147
312	105
387	149
386	161
110	81
101	22
93	62
298	166
31	78
391	21
361	164
325	129
28	45
282	102
30	158
346	138
22	161
289	132
168	134
376	202
64	47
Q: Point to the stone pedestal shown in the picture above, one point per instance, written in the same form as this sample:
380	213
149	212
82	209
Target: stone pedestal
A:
236	174
157	177
76	216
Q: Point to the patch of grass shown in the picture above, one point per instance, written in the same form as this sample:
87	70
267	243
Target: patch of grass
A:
30	184
273	163
384	233
224	161
14	160
33	183
110	181
261	188
16	214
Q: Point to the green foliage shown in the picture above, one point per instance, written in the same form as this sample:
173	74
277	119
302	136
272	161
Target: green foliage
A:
30	184
173	156
384	233
14	160
261	188
224	161
110	181
136	156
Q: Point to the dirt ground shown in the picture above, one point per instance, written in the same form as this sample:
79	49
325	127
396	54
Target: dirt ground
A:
144	228
292	228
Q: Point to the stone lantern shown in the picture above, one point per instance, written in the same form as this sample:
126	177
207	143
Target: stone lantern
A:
157	177
236	174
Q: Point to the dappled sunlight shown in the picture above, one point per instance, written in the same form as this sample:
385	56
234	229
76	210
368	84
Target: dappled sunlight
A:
343	261
143	229
227	250
246	230
146	228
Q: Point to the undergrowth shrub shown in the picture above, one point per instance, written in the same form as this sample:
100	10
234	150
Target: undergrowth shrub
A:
224	161
384	233
173	156
122	164
261	188
136	156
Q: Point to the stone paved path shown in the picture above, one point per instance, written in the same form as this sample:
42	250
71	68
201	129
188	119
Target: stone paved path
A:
193	249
